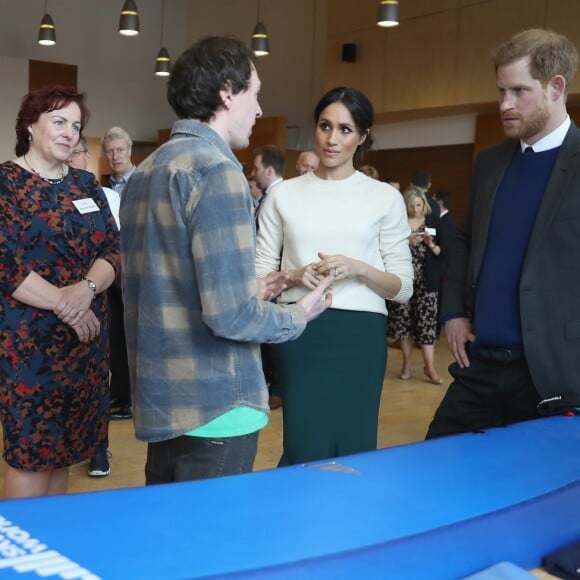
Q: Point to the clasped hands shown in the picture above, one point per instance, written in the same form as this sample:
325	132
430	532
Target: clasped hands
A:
73	309
314	303
337	266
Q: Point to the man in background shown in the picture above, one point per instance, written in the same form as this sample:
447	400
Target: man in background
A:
268	167
256	192
307	161
448	232
393	182
268	171
117	147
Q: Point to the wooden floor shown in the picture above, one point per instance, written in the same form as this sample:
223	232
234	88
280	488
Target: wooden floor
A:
406	409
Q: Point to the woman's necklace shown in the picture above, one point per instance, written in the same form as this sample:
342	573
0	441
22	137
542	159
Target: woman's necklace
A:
54	181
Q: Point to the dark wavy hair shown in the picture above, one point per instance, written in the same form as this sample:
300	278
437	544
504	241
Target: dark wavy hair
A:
203	70
45	100
361	110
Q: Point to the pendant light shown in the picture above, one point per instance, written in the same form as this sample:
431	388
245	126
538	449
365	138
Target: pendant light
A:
162	62
46	32
388	13
129	21
260	41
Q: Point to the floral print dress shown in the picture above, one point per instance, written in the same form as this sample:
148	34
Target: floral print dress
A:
53	388
418	318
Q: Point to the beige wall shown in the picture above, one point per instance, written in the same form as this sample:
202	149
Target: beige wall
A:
292	74
437	60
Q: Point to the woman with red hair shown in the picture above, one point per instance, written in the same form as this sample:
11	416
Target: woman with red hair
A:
58	253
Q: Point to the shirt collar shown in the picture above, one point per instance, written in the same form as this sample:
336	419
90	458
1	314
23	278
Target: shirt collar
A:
192	127
551	140
125	177
273	184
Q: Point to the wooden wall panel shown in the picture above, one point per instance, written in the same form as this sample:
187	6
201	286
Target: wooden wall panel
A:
267	130
420	63
369	68
346	15
41	74
480	31
438	59
291	158
450	168
417	8
563	16
163	135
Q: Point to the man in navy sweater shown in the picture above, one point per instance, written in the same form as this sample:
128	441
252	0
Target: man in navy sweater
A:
510	306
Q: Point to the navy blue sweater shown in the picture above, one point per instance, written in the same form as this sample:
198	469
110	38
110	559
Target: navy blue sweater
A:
497	304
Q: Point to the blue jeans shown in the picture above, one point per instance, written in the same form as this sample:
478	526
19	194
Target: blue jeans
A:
188	458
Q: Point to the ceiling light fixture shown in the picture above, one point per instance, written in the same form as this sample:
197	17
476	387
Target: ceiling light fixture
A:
129	21
162	62
46	32
260	41
388	13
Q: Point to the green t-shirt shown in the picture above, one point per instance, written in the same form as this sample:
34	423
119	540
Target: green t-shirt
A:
234	423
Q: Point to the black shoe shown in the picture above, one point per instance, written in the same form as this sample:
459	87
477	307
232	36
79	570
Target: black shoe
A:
123	412
99	465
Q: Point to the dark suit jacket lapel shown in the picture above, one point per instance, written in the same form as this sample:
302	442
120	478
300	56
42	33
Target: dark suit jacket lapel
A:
558	187
492	172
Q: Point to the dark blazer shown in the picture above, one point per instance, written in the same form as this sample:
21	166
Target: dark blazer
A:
435	266
550	279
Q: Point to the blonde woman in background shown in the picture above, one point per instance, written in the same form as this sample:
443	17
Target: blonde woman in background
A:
416	321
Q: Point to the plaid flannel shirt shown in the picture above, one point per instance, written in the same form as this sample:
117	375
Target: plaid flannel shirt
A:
192	317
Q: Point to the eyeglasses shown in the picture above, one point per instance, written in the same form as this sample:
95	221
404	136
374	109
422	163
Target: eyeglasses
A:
78	152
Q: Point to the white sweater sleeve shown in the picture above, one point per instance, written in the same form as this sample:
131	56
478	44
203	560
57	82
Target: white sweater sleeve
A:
269	238
394	248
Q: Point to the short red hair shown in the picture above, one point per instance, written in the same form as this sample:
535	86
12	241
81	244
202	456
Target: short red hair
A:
41	101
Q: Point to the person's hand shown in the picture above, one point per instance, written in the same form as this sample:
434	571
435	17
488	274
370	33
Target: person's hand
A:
337	266
416	238
74	303
459	332
88	327
273	284
427	239
318	300
306	276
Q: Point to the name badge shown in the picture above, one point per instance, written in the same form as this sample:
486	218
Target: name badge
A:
86	205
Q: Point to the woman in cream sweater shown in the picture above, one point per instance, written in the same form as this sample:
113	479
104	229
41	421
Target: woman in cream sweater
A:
338	222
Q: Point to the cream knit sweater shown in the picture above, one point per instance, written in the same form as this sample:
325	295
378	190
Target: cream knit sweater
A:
359	217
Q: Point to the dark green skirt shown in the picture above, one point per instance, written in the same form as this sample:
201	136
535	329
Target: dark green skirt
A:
331	379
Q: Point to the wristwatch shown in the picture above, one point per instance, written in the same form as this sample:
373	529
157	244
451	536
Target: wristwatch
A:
91	285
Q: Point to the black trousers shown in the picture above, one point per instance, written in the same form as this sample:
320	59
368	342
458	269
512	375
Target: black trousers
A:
188	458
494	391
119	366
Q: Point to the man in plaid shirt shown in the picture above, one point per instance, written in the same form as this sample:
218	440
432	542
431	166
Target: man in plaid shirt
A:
194	310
